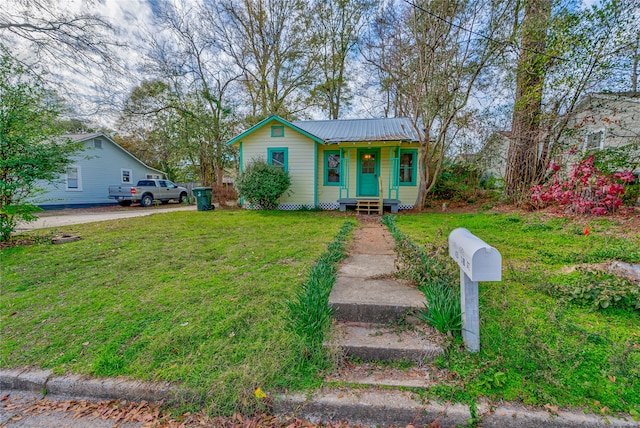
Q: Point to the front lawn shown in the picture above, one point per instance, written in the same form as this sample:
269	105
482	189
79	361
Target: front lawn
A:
535	346
189	297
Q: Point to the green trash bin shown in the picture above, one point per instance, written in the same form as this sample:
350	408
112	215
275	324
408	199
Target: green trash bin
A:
203	198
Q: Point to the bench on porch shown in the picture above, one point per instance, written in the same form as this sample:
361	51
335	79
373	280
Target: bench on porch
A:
352	203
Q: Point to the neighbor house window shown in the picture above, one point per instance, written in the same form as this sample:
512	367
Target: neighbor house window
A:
595	140
97	144
73	178
278	157
153	176
332	168
125	175
408	164
277	131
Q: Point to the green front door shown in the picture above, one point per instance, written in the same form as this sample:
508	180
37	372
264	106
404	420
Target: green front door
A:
368	172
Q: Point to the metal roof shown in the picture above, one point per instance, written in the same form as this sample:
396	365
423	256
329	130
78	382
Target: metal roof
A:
352	130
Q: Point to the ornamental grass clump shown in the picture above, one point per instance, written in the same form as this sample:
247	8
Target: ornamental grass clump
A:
435	274
261	184
309	311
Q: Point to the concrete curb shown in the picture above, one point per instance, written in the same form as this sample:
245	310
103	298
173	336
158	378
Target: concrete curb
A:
391	407
371	408
79	386
526	417
366	407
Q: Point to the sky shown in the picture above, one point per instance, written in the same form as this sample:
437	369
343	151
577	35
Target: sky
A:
97	97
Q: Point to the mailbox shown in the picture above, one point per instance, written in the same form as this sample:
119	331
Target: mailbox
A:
477	259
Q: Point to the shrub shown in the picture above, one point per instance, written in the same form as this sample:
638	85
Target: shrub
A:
587	191
458	182
262	184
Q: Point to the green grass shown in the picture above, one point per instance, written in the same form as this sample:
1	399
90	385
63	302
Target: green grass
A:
194	298
536	348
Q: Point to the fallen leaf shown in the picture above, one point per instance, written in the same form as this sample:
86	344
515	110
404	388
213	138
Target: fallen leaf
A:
612	378
552	409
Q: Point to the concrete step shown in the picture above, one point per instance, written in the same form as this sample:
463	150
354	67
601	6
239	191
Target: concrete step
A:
368	265
381	301
374	342
376	374
371	408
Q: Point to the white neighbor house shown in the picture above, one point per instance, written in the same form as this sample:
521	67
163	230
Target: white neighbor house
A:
599	121
86	183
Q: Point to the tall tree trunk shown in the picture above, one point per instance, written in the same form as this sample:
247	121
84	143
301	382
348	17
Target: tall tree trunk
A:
522	158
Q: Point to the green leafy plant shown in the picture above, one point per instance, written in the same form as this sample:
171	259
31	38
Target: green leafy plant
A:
597	289
262	184
29	143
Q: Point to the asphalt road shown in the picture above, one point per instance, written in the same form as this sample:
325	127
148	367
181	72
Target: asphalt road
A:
68	217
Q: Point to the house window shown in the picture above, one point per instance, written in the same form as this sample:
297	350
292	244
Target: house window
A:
277	131
408	164
156	176
73	178
278	157
97	144
332	168
125	175
595	140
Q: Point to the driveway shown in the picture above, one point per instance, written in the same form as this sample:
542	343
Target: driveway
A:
66	217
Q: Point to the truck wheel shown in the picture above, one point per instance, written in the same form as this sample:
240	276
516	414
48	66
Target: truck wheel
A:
146	201
182	197
124	203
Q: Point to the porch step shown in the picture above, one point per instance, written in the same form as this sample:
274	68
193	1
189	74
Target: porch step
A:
376	342
369	206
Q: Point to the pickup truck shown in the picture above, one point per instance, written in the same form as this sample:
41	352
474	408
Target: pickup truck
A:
147	191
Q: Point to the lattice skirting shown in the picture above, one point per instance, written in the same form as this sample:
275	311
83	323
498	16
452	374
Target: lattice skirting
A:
324	205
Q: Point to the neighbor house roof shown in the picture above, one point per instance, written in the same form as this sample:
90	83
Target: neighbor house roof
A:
346	130
84	137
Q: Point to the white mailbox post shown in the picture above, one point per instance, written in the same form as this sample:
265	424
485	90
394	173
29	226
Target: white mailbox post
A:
478	261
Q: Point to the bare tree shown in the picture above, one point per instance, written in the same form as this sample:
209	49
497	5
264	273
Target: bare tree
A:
268	41
187	56
338	28
51	35
430	55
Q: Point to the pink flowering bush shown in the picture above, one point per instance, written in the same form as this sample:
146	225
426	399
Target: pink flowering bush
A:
586	191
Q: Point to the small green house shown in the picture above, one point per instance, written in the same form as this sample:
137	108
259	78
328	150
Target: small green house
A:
338	164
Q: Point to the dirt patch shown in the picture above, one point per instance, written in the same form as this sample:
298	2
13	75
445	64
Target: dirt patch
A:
372	238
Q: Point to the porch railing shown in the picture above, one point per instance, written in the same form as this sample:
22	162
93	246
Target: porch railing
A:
345	158
394	176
